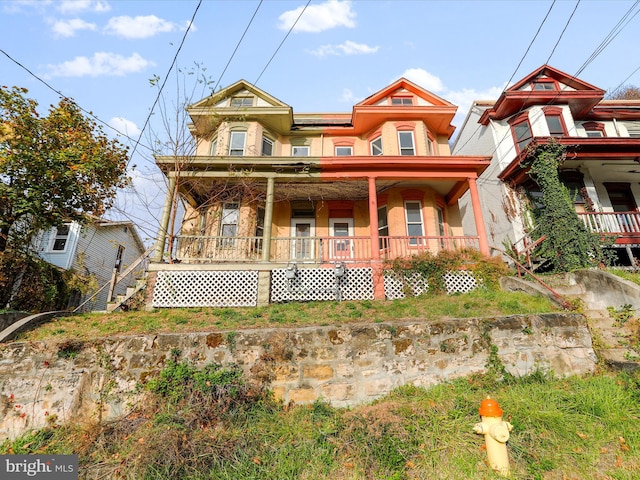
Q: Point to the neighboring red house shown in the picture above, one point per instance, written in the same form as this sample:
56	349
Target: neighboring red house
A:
601	170
283	206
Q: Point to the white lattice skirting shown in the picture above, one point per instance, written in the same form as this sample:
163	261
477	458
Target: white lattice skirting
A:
454	282
316	284
206	289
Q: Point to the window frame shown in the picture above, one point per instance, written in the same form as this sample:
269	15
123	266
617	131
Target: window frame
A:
514	124
594	127
61	234
383	227
306	147
401	100
269	142
414	240
555	113
242	101
244	143
229	240
544	82
372	144
413	143
346	148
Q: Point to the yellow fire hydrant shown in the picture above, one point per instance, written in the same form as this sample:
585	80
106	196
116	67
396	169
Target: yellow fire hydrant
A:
496	433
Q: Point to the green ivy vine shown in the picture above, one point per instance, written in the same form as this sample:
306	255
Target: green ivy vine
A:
568	245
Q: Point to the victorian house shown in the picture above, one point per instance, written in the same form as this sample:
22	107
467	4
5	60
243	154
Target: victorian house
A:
283	206
601	169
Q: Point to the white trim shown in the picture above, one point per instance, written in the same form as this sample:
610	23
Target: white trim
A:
406	219
340	248
413	143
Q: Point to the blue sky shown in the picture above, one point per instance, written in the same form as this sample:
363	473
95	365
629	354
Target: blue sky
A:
102	53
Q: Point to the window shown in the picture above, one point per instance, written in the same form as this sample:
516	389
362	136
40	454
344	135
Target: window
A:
236	143
542	85
297	151
555	122
404	101
594	129
633	128
267	147
376	146
413	212
239	102
383	227
430	150
522	134
344	151
405	139
214	146
60	239
229	222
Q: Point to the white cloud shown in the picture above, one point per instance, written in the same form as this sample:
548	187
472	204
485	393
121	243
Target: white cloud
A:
318	18
426	80
348	96
127	127
75	6
68	28
101	64
138	27
347	48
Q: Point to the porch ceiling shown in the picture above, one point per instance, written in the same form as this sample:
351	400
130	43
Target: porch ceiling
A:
199	192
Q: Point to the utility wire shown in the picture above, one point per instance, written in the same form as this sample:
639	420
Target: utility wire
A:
62	95
175	59
237	46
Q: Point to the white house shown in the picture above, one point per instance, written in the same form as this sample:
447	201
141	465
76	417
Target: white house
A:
99	249
602	140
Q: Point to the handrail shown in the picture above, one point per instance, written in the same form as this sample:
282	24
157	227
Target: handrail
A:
562	300
119	278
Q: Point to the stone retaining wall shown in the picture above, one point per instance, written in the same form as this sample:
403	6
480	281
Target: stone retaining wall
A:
344	365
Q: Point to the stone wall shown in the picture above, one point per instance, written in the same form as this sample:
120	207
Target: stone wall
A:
344	365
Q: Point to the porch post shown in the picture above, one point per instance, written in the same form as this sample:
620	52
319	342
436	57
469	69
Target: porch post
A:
376	265
164	222
373	219
268	219
477	215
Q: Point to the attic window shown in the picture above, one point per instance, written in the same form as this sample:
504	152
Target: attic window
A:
239	102
404	101
542	84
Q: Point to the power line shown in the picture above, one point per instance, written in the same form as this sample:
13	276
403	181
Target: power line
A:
237	46
62	95
281	43
175	59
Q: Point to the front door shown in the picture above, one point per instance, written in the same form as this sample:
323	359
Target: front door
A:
302	231
340	245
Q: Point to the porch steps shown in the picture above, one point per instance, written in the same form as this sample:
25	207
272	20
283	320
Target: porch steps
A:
121	299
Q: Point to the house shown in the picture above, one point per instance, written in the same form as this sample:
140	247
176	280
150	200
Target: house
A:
602	171
282	206
100	249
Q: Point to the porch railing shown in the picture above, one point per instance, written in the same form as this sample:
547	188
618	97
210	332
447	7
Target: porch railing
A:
612	222
201	249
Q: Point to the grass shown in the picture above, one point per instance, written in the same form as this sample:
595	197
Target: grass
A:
562	428
480	303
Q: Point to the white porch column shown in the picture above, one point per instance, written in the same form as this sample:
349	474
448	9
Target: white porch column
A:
164	222
268	220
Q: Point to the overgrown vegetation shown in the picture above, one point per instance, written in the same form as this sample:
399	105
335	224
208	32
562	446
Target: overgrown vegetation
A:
568	244
202	424
433	268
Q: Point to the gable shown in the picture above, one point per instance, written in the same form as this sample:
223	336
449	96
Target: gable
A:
240	90
404	88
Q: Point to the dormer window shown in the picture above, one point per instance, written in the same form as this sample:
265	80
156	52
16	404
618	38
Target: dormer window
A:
542	84
239	102
402	100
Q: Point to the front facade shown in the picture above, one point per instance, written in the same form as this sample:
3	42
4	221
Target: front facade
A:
602	138
97	249
283	206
